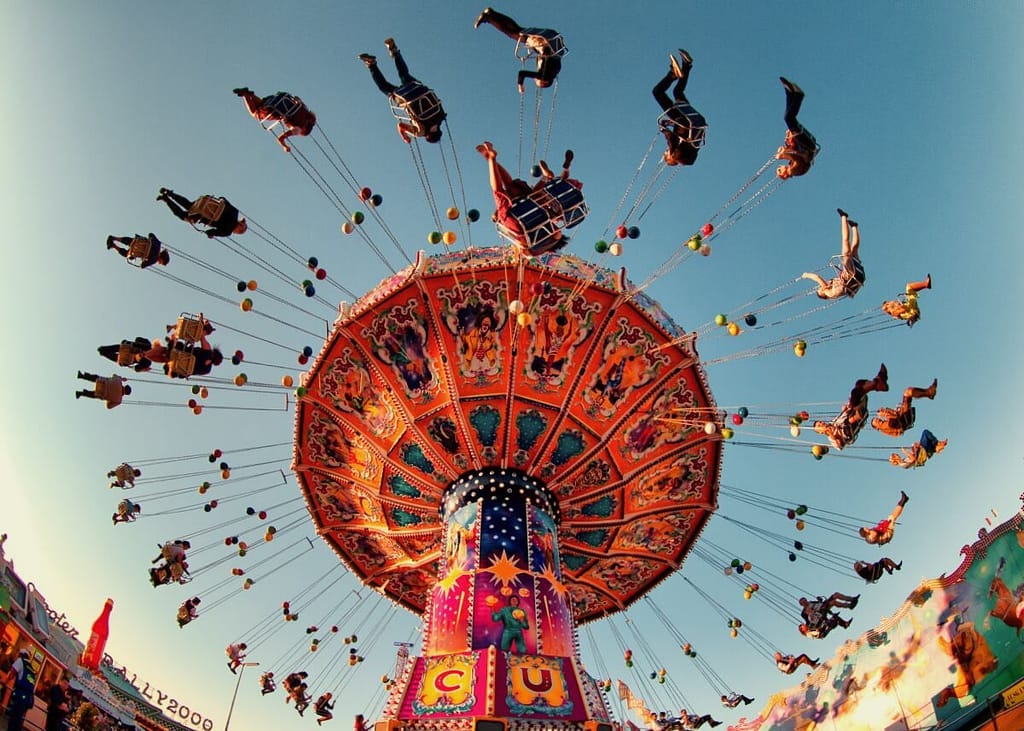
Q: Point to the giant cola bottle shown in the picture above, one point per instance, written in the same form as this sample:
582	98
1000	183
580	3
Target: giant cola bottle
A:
97	639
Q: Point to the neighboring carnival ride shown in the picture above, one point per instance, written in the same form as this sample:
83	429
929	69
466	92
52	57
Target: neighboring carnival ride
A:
948	653
485	440
509	445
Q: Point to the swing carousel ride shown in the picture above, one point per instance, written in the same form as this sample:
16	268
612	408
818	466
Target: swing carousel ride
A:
505	438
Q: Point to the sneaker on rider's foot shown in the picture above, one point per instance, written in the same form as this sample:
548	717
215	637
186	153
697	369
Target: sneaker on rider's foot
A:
481	18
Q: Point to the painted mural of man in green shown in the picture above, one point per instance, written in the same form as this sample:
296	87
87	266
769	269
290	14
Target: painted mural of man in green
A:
514	621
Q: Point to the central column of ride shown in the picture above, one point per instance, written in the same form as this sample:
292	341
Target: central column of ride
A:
499	582
499	639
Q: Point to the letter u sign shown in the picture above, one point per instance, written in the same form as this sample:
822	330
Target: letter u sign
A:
537	680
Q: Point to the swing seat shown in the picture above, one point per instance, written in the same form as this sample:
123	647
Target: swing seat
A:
539	233
105	388
139	248
126	354
143	251
563	201
685	122
124	473
281	107
180	364
553	40
207	208
416	104
189	328
852	280
178	573
846	427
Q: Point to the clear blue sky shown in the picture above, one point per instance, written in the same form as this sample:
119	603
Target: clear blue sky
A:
916	105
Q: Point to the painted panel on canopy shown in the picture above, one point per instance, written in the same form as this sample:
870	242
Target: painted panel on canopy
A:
354	389
407	519
598	474
341	504
624	576
402	340
556	340
530	425
562	451
586	540
600	506
487	422
403	485
589	602
475	328
666	536
373	553
337	449
445	440
411	586
627	362
422	462
422	546
684	478
656	431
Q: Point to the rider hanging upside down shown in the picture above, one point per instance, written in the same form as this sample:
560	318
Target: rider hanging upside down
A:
124	475
896	421
533	217
145	249
218	216
417	107
188	611
547	44
872	572
882	532
288	110
906	308
843	430
788	664
683	126
734	699
111	389
919	452
127	511
850	277
174	566
800	147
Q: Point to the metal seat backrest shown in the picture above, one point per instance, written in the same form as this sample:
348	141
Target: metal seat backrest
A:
189	328
415	102
125	354
537	228
553	40
852	278
181	364
139	248
563	201
282	106
208	208
685	122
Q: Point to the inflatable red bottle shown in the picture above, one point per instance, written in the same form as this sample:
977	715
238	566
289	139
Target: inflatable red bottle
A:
98	639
